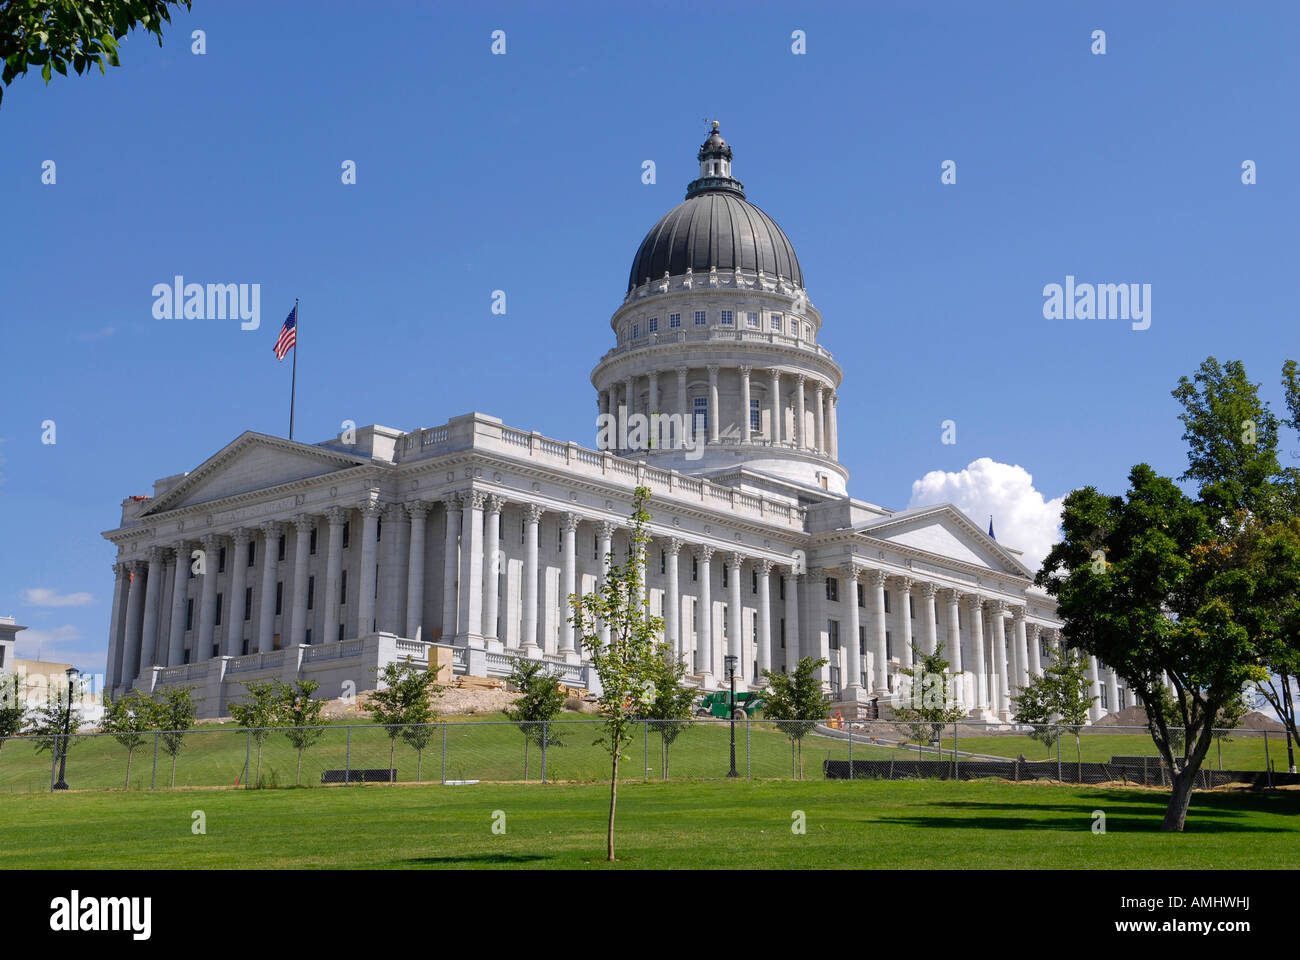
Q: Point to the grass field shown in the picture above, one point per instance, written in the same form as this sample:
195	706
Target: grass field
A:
703	824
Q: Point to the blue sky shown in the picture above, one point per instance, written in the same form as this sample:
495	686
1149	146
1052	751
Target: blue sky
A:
522	173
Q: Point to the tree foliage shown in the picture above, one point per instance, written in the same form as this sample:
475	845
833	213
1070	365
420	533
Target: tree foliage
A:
13	706
300	714
796	703
257	714
540	701
402	704
57	34
671	701
1058	698
174	713
129	719
931	702
626	665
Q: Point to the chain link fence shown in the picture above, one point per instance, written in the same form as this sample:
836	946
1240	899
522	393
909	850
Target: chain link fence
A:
459	751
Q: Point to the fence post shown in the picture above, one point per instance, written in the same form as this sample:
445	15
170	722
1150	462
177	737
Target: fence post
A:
1268	764
956	764
850	753
645	749
54	762
1060	777
444	752
248	757
545	737
153	777
347	761
749	773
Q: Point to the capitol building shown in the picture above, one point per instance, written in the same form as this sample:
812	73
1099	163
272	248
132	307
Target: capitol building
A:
460	543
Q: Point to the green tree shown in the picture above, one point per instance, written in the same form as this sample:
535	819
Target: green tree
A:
300	713
173	715
932	698
1135	585
57	34
796	703
13	706
670	707
129	718
540	701
257	714
1059	698
402	701
626	665
48	720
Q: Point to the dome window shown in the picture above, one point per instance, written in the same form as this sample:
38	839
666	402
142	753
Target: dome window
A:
701	318
674	321
727	318
776	322
753	319
636	331
653	325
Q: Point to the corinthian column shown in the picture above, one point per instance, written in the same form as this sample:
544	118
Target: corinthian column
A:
791	618
833	428
149	640
800	428
471	570
336	517
1022	650
208	605
238	582
302	525
930	624
371	510
134	616
776	406
672	601
704	649
113	668
528	642
880	681
714	413
852	683
180	583
568	585
492	575
820	422
764	619
1035	651
954	643
606	529
1002	700
904	621
684	408
450	558
744	403
735	617
270	558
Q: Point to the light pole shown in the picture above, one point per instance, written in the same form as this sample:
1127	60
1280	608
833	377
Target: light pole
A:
73	673
730	661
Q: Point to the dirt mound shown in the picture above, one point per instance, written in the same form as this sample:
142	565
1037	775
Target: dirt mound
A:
1128	717
1257	721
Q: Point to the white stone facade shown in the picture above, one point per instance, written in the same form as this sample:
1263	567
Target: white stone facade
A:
330	559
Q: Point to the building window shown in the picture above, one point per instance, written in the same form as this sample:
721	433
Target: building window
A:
595	546
379	529
780	582
776	322
340	633
280	548
753	578
311	592
308	638
189	614
653	324
832	588
886	601
753	319
279	596
343	588
889	645
807	331
559	538
911	606
701	319
755	414
724	576
347	524
636	331
862	595
833	630
1102	688
220	597
701	407
783	635
248	603
674	321
695	568
221	560
663	563
727	318
252	552
312	542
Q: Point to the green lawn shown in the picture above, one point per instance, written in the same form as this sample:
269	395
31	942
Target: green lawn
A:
866	824
1242	751
213	756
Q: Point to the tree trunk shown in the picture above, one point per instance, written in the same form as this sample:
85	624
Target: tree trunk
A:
128	767
1078	757
392	752
259	764
419	765
173	770
525	758
297	777
613	802
1179	800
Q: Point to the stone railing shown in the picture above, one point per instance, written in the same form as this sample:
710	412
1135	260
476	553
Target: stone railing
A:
719	335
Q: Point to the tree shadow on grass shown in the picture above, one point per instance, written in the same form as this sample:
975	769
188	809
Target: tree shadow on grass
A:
480	858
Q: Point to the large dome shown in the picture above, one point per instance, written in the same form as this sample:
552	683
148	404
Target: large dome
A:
715	227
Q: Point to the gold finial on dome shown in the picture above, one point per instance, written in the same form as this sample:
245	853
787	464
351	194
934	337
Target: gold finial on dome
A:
715	126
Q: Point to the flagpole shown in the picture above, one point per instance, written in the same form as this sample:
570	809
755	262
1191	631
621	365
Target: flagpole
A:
293	382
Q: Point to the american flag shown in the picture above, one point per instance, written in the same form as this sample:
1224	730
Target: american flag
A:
288	335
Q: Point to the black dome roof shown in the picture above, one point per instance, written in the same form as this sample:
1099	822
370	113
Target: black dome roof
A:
715	229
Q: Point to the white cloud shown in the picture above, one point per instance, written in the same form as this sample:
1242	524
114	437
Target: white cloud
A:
45	643
43	597
1022	517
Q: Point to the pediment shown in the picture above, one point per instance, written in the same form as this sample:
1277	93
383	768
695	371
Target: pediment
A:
252	462
946	532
